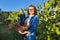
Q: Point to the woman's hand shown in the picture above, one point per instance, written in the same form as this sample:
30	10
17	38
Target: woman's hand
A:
25	32
20	32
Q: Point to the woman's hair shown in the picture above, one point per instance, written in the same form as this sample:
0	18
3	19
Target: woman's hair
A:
35	10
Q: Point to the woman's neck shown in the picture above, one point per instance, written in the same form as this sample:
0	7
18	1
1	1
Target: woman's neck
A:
31	15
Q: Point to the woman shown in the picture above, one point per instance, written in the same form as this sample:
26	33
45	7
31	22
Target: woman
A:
32	20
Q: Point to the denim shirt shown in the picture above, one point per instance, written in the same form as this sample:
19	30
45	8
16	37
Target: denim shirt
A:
33	24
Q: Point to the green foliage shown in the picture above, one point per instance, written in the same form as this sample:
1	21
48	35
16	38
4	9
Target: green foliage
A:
8	34
49	24
3	16
13	16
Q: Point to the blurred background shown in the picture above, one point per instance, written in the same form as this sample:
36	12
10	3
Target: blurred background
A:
47	10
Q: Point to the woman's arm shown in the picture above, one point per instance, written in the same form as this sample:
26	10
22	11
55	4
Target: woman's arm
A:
34	24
